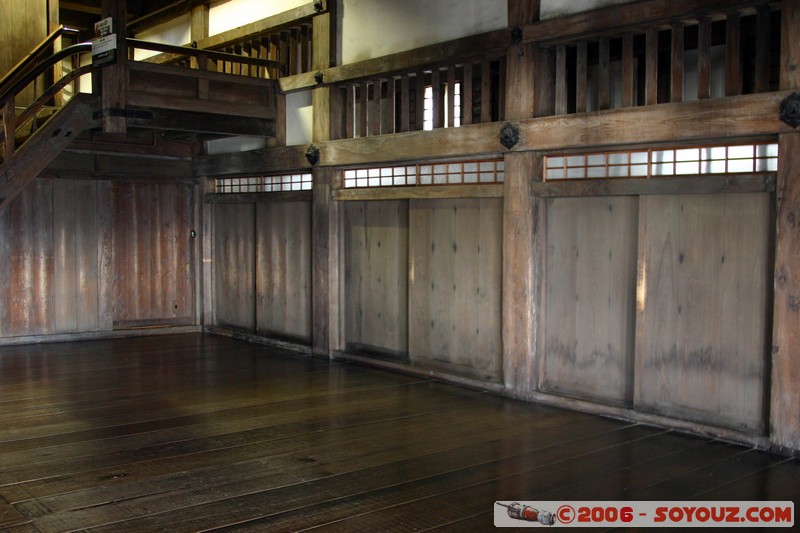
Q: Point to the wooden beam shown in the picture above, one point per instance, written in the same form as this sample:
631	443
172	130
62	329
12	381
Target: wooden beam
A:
737	116
676	75
257	197
475	46
114	78
785	392
651	67
733	69
790	44
325	233
519	83
522	237
423	192
635	187
595	23
162	14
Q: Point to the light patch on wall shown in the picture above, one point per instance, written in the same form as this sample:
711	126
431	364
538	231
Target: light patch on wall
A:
177	31
234	144
299	118
374	28
557	8
224	16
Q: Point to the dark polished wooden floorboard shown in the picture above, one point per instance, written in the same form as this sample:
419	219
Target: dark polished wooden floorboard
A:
198	432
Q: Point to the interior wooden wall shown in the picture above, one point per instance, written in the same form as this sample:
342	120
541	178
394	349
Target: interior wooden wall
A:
590	270
89	255
702	315
660	303
376	277
152	253
262	268
29	28
455	286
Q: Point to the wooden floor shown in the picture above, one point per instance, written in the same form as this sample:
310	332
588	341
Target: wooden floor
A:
198	432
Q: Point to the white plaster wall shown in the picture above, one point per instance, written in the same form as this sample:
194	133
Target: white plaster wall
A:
556	8
299	118
224	16
374	28
177	31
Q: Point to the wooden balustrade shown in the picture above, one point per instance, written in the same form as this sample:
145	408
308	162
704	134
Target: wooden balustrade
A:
469	92
714	55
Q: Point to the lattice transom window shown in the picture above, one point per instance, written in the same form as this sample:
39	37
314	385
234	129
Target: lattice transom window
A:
684	161
279	183
446	173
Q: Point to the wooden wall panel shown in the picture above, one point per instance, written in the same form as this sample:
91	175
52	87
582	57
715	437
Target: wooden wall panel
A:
26	263
455	286
151	253
590	269
701	308
376	277
75	283
283	270
234	262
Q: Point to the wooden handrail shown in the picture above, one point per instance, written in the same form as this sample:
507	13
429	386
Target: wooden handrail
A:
16	85
183	52
28	61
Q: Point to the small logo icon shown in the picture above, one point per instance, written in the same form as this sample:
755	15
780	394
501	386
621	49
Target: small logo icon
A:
518	511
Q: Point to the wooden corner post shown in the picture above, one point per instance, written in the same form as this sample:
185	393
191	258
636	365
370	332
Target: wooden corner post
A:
115	77
520	271
325	262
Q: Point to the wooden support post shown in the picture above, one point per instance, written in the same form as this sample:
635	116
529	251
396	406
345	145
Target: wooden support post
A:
451	96
704	59
519	82
115	77
785	394
325	262
582	72
405	109
9	128
627	70
419	100
762	49
437	112
790	44
561	80
651	67
486	92
466	95
676	77
521	270
321	59
199	29
206	271
733	70
604	83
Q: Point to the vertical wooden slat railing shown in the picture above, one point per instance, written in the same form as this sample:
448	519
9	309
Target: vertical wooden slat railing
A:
458	94
652	62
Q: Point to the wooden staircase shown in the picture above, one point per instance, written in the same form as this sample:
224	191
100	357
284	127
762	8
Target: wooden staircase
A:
194	102
39	148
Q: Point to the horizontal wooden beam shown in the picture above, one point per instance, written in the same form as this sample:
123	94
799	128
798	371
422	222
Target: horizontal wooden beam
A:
423	191
733	117
199	122
220	107
258	197
436	54
682	185
260	27
613	19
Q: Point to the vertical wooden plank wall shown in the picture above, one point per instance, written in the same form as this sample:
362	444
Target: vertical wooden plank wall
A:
26	271
376	277
151	254
75	212
234	262
701	308
590	276
283	270
455	286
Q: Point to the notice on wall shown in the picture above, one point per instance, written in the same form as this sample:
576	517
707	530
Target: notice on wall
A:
104	44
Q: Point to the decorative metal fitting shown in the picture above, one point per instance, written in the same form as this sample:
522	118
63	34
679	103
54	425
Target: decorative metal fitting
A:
516	35
318	6
790	110
319	77
312	154
509	135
